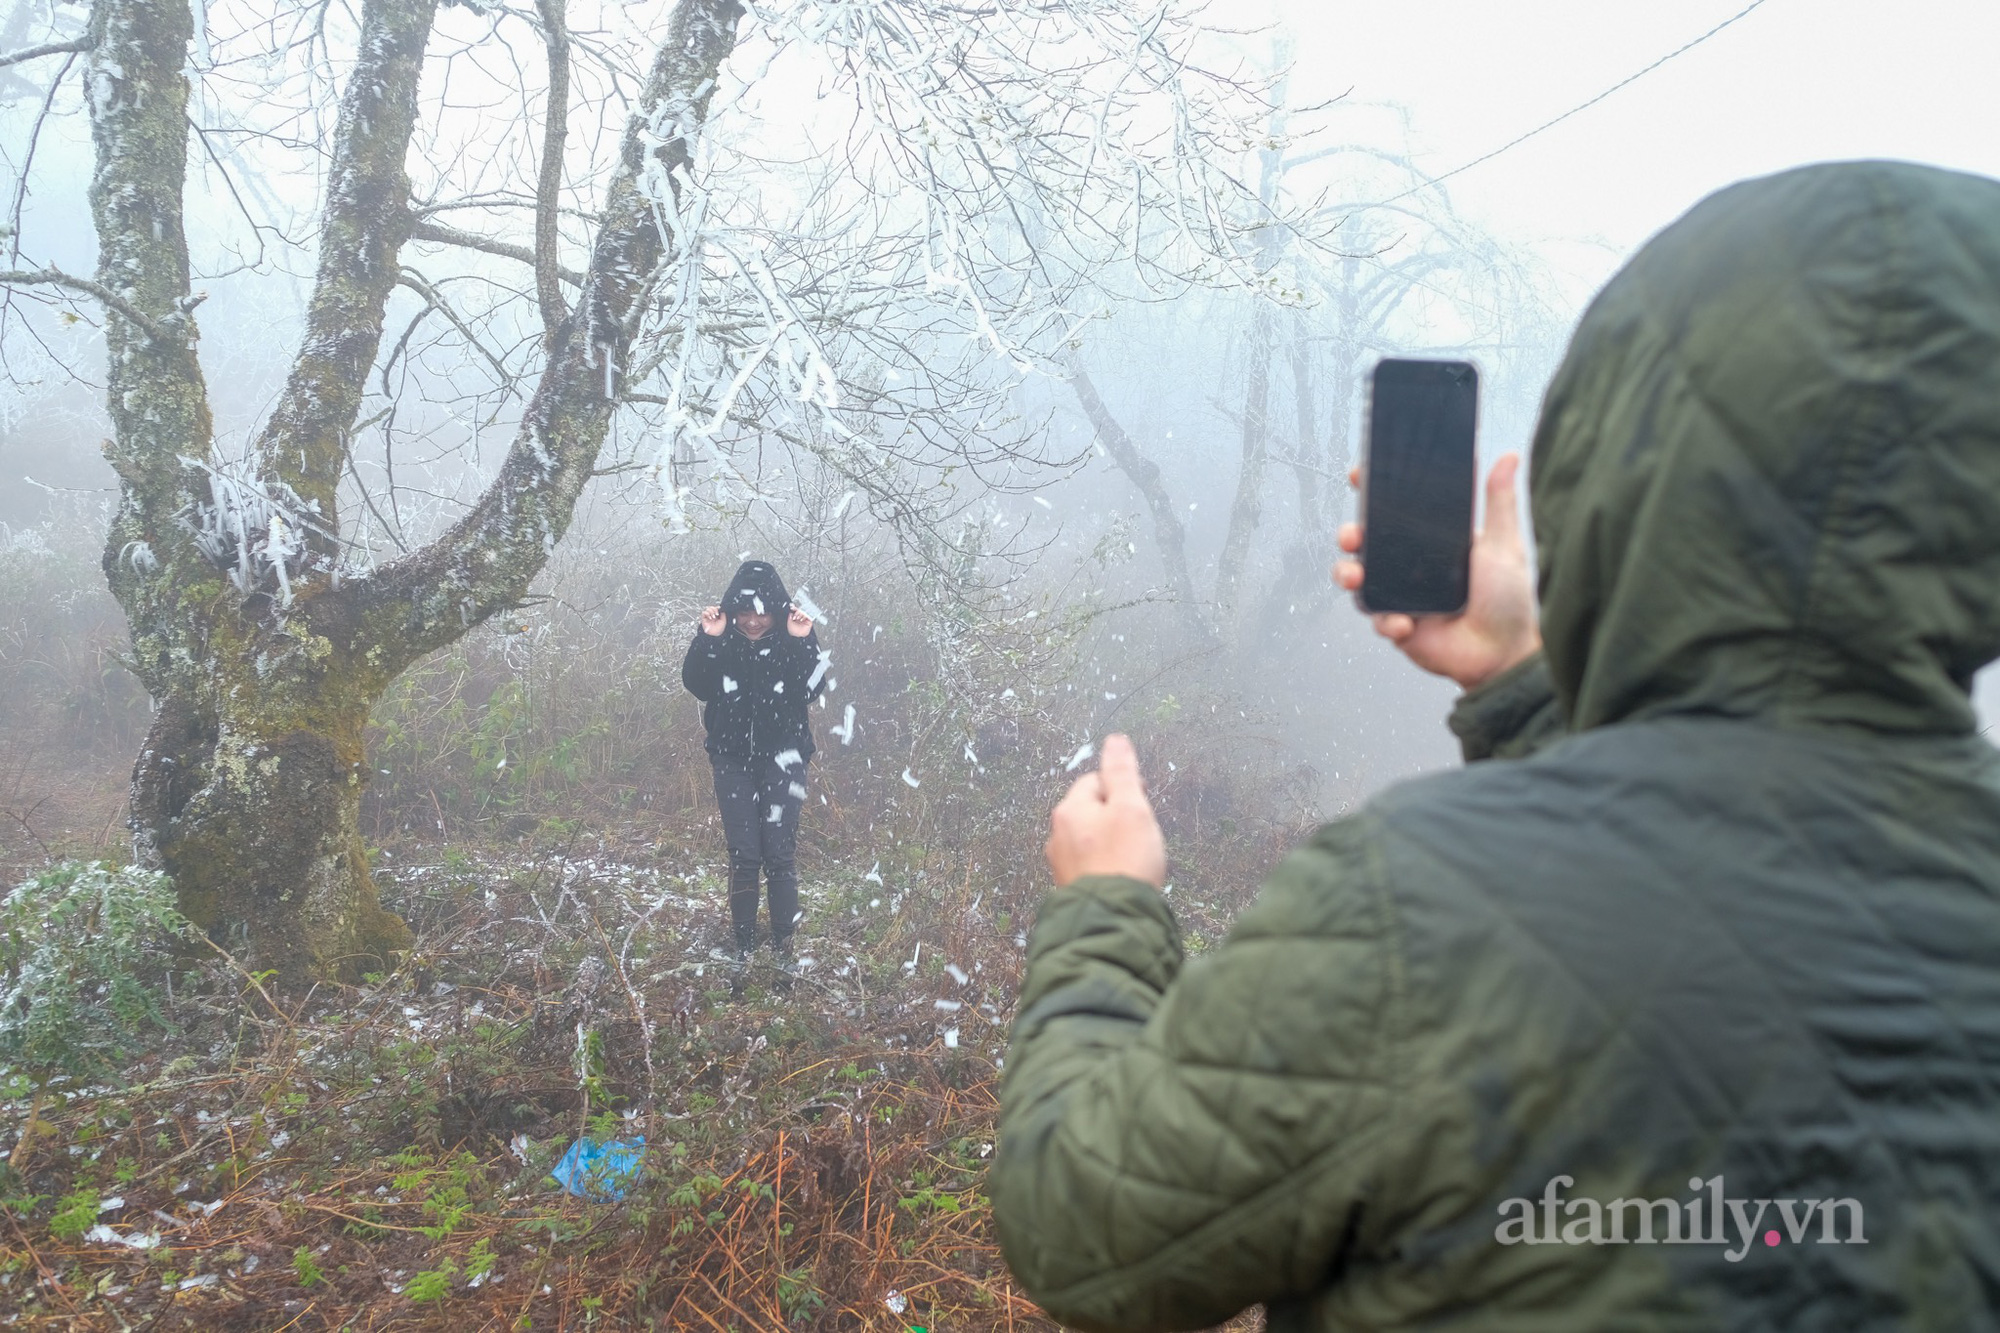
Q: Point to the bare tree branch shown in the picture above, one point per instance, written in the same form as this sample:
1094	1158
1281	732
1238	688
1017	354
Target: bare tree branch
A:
109	299
416	283
365	221
555	122
486	561
443	235
70	47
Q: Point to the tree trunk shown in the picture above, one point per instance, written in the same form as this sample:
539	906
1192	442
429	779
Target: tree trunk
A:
263	660
1143	473
255	812
1304	579
1248	508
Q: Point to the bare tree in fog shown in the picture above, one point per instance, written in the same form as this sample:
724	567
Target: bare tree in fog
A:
768	305
1405	277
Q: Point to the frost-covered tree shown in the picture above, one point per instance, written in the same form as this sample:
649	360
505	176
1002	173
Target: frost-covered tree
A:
781	239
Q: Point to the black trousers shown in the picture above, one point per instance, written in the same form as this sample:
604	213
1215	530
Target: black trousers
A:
760	799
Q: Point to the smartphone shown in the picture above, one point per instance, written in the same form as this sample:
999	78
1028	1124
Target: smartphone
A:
1417	486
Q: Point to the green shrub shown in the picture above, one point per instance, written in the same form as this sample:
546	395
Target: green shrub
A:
82	945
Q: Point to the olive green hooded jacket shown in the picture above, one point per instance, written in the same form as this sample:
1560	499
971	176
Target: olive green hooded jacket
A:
1683	1013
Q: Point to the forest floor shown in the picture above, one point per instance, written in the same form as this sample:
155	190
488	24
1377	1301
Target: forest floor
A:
379	1157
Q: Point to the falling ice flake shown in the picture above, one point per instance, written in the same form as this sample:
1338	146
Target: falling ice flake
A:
846	728
910	779
951	1039
874	874
957	973
1081	755
896	1301
786	758
1043	503
728	685
778	687
947	1006
804	602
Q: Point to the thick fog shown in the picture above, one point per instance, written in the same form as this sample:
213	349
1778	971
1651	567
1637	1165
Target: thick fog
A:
1382	100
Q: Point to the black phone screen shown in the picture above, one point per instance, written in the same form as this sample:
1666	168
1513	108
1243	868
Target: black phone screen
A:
1418	486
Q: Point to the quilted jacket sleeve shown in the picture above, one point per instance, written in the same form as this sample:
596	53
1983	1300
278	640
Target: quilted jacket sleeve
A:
1177	1143
1511	716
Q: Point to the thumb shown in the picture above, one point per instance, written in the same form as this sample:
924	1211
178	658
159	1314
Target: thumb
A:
1503	515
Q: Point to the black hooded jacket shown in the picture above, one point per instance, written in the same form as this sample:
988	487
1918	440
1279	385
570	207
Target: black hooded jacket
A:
755	691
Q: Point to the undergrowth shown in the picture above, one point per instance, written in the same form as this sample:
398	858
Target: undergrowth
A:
379	1158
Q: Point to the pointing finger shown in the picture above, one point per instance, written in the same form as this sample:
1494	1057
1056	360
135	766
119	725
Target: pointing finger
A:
1119	769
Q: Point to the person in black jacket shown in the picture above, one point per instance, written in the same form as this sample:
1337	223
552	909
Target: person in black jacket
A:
756	664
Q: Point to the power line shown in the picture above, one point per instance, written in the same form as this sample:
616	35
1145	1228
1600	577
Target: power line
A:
1517	141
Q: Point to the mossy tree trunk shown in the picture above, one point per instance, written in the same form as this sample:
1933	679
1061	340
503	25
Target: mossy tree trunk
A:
262	654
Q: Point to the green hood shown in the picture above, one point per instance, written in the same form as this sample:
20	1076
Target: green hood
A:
1767	477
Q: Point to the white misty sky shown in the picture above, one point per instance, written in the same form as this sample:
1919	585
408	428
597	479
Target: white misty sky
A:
1795	81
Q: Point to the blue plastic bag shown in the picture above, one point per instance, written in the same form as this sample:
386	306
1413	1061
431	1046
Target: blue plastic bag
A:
600	1170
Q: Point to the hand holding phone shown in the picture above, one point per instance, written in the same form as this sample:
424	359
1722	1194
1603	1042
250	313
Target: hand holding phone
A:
1498	627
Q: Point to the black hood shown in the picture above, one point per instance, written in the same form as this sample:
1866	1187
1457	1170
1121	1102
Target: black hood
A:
757	588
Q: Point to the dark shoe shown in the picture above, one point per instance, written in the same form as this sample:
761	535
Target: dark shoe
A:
788	966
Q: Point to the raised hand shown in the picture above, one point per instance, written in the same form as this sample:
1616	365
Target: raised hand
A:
1498	627
713	621
1105	825
798	624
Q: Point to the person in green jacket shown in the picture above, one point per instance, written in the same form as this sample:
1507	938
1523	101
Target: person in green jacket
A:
1680	1007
